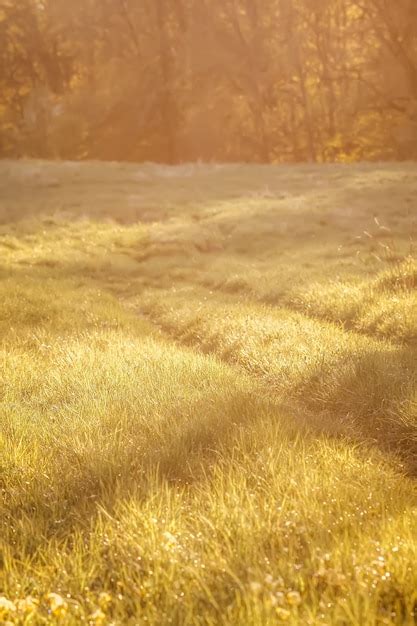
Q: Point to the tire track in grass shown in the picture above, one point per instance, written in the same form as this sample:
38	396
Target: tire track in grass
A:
361	384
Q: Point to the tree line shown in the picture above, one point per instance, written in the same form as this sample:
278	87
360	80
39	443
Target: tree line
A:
227	80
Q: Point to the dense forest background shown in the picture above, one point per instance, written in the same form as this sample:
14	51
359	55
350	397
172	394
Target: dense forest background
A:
180	80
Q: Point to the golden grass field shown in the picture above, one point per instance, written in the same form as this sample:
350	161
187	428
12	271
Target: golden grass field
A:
208	409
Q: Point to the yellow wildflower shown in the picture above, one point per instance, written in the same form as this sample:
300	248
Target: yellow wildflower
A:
57	604
293	598
282	614
6	606
97	617
27	605
171	542
104	600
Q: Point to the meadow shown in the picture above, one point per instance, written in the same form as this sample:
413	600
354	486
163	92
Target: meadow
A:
208	398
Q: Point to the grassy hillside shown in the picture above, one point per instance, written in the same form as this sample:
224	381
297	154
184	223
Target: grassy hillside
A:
208	405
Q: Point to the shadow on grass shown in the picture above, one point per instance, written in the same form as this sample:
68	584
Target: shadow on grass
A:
182	450
374	393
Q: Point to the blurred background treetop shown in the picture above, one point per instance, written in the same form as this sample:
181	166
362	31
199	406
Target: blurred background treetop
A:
226	80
